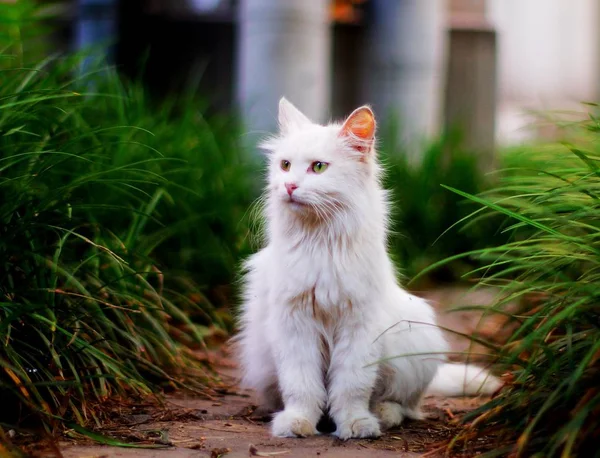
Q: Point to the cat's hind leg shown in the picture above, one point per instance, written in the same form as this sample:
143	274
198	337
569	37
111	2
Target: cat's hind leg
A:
412	360
390	414
258	371
389	402
269	400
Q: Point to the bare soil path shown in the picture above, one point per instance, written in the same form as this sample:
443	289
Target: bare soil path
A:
229	426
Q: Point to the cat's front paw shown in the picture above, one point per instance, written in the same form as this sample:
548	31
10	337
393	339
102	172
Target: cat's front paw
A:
361	426
292	424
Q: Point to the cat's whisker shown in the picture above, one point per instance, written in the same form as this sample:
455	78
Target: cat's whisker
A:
320	211
329	211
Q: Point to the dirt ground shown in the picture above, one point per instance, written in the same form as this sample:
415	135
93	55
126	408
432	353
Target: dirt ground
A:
229	426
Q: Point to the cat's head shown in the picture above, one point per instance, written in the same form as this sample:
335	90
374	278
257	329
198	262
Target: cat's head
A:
317	170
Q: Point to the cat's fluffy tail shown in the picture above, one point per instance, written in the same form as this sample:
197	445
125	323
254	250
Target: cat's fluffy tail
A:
462	380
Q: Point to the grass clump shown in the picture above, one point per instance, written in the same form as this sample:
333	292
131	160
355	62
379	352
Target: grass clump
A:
423	229
119	221
550	200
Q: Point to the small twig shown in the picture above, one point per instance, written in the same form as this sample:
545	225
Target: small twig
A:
433	452
253	451
184	441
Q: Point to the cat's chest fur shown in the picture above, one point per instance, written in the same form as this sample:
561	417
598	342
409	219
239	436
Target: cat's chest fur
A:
323	277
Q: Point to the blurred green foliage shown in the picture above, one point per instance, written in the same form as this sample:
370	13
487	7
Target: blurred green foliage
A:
549	200
424	213
121	218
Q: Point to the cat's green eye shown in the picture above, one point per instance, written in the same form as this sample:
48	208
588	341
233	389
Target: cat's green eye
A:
319	167
285	165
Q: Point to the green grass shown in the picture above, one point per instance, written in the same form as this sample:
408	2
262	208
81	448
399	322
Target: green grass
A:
550	201
121	220
424	212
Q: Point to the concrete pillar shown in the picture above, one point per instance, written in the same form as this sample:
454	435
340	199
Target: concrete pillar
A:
403	63
284	50
96	27
472	8
471	87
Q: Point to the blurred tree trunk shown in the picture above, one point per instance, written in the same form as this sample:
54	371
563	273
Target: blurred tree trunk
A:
284	50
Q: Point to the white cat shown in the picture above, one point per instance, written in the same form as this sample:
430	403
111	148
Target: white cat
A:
325	325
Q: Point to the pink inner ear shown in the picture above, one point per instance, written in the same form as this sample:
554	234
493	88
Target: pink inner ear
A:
361	124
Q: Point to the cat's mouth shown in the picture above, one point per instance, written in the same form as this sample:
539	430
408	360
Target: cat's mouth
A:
294	202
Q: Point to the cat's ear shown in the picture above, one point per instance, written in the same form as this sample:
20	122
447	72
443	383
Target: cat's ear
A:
290	118
359	129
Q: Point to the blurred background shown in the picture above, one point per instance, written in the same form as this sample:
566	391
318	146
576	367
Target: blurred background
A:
456	84
130	187
431	63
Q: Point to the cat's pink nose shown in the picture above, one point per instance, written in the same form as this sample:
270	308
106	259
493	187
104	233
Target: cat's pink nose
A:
291	187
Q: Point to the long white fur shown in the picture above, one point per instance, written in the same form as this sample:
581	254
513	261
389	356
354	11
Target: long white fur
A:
324	323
